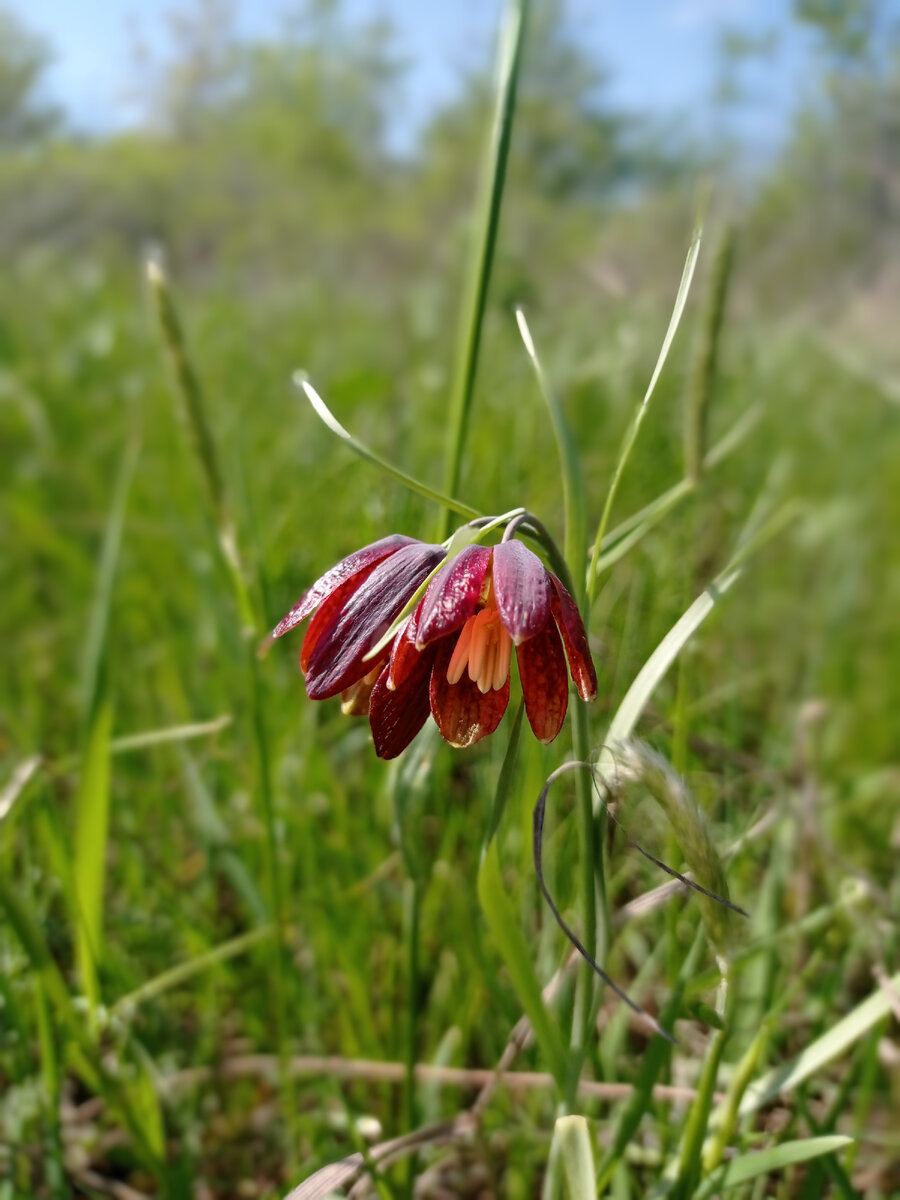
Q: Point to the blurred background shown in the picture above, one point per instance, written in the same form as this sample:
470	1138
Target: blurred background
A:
307	173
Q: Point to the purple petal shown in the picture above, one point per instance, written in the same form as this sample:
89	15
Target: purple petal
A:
368	557
337	658
545	684
521	589
397	714
453	594
570	625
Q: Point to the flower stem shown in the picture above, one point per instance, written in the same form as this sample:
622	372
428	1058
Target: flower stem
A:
595	920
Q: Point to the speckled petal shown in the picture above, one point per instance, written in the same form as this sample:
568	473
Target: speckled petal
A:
337	658
452	596
521	589
545	683
397	714
571	626
464	715
360	562
404	653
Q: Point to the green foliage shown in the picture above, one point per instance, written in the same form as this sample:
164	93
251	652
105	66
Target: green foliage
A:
236	852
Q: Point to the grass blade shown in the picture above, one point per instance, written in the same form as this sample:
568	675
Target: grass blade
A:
98	618
634	428
330	421
765	1162
487	220
696	415
89	858
822	1051
573	1136
185	971
654	669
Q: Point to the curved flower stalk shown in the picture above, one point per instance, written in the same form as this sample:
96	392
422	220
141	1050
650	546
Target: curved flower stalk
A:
452	655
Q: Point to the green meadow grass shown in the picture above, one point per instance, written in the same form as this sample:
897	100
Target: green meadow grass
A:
221	915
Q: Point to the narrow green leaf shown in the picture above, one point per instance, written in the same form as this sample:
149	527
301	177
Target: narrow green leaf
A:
822	1051
655	668
736	435
486	224
185	971
765	1162
573	1136
631	434
171	733
703	376
98	617
89	855
21	777
327	417
504	925
144	1099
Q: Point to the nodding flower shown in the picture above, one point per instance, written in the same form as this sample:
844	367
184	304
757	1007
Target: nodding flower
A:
451	656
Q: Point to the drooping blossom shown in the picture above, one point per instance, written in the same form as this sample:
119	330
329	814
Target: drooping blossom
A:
451	657
352	606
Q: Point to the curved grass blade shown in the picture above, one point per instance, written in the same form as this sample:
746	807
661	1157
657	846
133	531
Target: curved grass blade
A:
765	1162
327	417
822	1051
634	428
656	666
177	975
652	513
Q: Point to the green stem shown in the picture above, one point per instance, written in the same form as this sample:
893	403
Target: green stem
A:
474	300
413	906
595	918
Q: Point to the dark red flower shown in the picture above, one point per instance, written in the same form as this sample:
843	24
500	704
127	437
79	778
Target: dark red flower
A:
355	603
451	657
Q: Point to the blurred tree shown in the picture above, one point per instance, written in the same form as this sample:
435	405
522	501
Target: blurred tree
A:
177	92
846	28
830	207
24	115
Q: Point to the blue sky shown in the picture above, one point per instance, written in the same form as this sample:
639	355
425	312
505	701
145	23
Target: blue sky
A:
661	53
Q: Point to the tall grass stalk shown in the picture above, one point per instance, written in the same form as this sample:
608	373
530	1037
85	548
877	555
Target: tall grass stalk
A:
706	358
191	393
486	222
637	420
